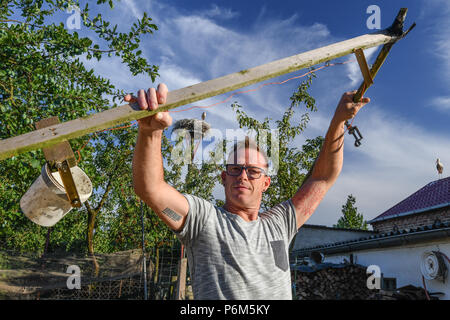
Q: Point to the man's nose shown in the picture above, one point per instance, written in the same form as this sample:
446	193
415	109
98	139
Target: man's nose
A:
243	174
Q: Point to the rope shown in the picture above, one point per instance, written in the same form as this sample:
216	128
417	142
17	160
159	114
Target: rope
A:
327	64
445	256
425	288
266	84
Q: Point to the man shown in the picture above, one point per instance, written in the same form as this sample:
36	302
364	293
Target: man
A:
235	252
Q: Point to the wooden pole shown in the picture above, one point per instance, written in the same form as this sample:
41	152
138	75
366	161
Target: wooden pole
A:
181	283
75	128
396	29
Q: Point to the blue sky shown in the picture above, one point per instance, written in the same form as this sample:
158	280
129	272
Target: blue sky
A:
405	127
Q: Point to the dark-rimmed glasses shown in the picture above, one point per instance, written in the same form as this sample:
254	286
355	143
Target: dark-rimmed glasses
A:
252	172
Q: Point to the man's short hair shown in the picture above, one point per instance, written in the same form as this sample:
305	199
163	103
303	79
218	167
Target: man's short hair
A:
248	143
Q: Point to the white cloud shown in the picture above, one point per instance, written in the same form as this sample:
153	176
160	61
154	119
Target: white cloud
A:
195	47
354	72
209	48
131	5
400	144
117	72
220	13
442	49
176	77
441	103
435	14
396	159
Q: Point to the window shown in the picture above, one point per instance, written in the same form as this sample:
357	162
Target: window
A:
388	283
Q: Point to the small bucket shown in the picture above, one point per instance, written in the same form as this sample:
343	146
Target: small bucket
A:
46	202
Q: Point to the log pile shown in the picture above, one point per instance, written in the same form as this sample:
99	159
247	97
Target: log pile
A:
344	283
348	282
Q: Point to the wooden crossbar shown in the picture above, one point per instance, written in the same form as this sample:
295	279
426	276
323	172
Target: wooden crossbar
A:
48	136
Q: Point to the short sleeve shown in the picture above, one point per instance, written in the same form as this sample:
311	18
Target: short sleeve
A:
199	212
283	217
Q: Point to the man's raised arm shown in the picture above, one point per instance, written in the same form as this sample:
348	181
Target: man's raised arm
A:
148	173
329	162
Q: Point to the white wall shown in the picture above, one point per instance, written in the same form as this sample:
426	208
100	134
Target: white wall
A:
402	263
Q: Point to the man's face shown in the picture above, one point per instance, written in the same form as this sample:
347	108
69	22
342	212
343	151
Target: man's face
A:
244	191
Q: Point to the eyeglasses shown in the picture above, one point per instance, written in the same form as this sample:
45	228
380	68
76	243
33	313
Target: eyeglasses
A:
252	172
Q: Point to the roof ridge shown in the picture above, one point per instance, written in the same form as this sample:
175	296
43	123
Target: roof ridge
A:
421	199
382	235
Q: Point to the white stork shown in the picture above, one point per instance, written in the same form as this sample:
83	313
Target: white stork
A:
439	167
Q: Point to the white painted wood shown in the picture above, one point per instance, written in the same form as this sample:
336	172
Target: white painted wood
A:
75	128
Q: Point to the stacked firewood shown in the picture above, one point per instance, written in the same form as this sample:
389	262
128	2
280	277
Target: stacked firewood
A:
348	282
344	283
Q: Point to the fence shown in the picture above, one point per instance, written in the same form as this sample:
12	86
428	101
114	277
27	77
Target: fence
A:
120	275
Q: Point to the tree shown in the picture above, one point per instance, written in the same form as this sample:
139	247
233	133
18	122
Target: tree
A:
43	75
293	163
351	219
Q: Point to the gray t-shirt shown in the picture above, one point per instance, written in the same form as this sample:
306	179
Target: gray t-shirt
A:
230	258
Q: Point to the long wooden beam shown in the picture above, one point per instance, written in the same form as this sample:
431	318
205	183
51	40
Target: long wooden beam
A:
48	136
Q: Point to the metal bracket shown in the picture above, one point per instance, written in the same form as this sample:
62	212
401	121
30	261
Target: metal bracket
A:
396	29
60	158
368	81
355	132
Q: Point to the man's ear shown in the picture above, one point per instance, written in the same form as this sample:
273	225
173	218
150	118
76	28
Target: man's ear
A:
266	184
223	175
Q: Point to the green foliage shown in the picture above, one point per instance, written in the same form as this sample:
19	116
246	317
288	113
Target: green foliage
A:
293	164
119	225
43	75
351	218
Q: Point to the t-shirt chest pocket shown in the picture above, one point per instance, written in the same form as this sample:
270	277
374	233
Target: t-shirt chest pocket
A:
279	254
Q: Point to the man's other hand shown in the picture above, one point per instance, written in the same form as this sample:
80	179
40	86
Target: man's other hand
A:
151	100
347	109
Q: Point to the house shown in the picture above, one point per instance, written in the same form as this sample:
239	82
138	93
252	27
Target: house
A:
311	235
410	244
427	206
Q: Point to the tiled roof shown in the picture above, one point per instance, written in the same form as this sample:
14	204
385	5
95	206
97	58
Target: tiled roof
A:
318	226
375	238
434	195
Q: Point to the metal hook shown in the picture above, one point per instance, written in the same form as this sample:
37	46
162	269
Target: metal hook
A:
353	130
